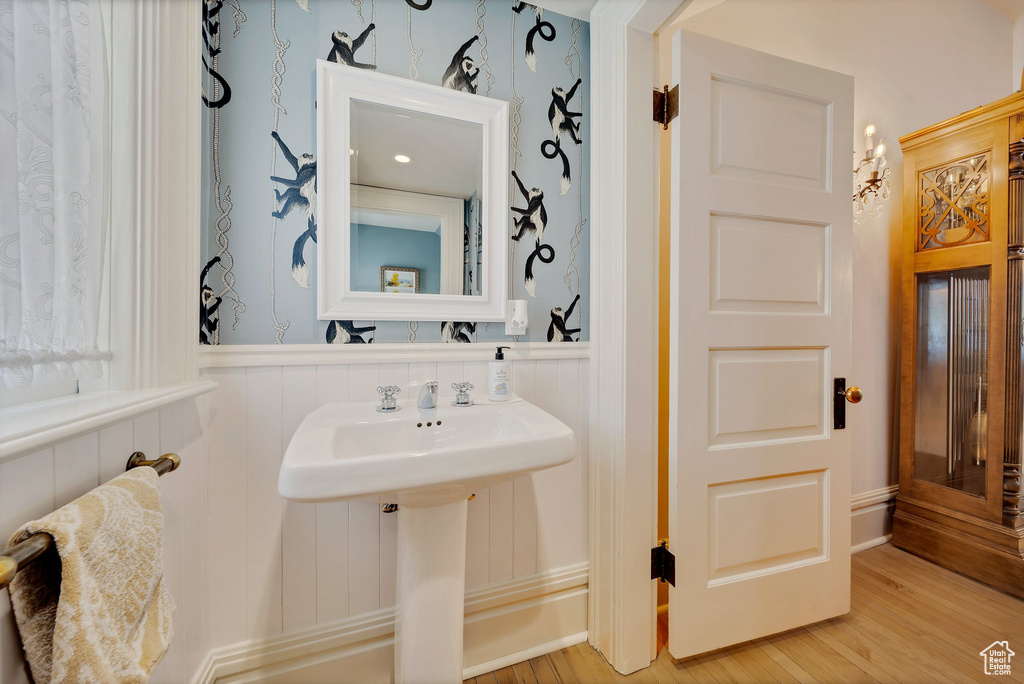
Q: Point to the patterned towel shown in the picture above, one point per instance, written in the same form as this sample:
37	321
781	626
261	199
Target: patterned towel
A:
101	611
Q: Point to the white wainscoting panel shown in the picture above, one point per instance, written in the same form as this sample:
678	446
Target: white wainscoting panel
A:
298	521
245	566
506	623
33	484
278	566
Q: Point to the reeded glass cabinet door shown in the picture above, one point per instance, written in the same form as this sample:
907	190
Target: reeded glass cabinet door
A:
951	384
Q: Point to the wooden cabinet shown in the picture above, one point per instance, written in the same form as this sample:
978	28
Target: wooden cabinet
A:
961	383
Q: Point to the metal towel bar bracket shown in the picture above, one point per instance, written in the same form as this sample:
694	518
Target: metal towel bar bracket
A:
16	557
164	464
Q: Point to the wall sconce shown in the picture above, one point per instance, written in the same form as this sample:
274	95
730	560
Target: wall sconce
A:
871	178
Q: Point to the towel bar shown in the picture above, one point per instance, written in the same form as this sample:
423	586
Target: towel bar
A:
16	557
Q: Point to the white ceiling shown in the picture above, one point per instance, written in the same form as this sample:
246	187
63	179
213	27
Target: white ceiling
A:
570	8
447	154
1014	9
396	219
691	10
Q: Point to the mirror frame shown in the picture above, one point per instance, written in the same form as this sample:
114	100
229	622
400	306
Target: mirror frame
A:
336	86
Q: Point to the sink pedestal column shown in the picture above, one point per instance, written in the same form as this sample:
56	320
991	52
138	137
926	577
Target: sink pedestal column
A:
431	593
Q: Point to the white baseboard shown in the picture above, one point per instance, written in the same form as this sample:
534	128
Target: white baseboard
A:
505	661
506	623
871	518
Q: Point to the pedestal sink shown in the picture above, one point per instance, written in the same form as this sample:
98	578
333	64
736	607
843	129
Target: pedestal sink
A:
429	462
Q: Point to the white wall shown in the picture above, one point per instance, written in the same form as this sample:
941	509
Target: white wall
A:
1018	53
910	72
35	484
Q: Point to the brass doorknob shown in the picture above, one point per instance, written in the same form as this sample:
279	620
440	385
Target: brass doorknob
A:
854	395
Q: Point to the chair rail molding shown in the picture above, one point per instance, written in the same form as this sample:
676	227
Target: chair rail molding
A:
623	450
155	88
239	355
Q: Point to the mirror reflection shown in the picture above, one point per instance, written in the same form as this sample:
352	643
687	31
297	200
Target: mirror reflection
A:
416	184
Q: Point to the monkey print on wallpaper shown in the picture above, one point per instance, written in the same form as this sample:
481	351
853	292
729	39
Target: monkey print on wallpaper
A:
546	253
545	28
301	192
209	302
534	59
562	123
462	72
457	331
534	217
557	331
344	50
211	31
345	332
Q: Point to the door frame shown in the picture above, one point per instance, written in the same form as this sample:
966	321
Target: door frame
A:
624	329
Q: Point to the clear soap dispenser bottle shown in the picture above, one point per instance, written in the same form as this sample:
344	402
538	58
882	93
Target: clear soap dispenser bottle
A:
499	377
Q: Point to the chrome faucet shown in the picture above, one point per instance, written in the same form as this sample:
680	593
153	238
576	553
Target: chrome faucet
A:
428	395
388	402
462	397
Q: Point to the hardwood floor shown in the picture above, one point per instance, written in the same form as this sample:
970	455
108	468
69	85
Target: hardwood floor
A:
911	621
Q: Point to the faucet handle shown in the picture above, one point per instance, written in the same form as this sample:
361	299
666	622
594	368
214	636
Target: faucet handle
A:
387	398
462	397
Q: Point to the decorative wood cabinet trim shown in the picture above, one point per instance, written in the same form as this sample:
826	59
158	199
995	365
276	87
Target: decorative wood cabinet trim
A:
1012	514
970	154
953	202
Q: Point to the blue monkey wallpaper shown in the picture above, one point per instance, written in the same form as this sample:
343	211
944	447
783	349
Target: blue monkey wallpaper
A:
259	164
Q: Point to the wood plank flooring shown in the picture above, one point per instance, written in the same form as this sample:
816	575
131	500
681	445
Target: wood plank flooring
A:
911	621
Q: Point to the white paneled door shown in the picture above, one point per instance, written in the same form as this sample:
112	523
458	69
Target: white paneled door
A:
759	495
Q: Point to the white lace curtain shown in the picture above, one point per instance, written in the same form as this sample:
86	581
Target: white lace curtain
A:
52	189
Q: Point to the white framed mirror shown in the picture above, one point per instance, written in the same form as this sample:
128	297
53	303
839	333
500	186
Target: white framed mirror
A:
412	199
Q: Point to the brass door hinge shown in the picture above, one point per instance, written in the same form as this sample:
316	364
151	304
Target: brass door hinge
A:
666	105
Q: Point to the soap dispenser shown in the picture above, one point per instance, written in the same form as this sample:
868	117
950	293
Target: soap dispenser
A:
499	377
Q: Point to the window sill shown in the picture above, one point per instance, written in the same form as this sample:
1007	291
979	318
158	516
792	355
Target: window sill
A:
35	426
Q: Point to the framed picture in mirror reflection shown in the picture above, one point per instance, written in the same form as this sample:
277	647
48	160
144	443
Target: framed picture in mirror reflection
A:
399	279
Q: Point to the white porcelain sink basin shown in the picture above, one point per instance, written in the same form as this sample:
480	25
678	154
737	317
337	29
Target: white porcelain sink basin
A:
429	462
414	457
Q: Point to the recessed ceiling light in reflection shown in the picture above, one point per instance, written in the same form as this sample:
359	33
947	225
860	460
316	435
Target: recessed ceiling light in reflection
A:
402	159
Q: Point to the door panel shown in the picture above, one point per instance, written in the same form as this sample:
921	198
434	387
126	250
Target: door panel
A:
743	281
765	395
768	135
759	482
757	527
